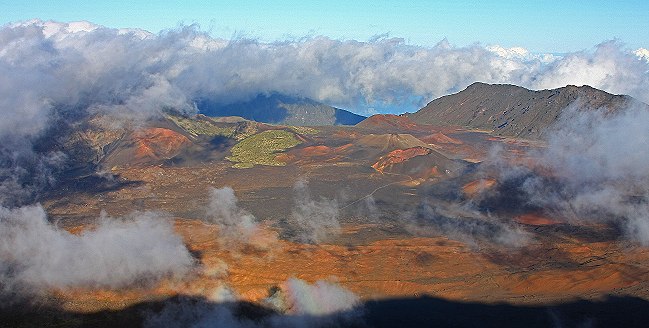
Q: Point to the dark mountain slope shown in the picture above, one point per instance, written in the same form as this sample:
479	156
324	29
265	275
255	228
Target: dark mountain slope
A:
281	109
514	111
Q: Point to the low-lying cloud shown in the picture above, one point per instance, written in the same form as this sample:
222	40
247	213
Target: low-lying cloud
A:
313	220
464	223
320	298
36	255
235	224
309	220
296	303
237	227
24	172
595	168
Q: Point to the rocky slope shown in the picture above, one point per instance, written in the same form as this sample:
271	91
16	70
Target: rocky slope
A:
510	110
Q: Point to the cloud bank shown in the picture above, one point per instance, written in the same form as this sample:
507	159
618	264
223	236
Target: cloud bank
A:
36	255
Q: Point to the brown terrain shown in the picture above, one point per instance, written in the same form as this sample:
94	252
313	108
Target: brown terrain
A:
545	271
436	266
399	165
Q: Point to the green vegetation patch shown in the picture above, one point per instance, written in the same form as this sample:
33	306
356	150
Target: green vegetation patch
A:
303	130
262	148
245	129
198	127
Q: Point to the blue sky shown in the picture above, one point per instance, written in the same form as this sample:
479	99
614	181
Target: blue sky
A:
540	26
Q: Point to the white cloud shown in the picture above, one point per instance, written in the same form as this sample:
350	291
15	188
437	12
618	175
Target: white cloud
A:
34	254
235	224
509	53
642	53
609	67
598	171
319	298
298	304
313	220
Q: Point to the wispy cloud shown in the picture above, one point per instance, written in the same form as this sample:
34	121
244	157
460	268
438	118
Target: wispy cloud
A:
313	220
296	303
237	227
594	169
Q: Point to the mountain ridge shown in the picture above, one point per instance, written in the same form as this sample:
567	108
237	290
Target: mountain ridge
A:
511	110
281	109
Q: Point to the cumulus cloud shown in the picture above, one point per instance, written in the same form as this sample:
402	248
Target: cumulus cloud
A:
642	53
609	67
36	255
82	64
313	220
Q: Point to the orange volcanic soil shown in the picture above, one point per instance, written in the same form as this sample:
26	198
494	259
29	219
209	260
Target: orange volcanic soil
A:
475	187
396	267
388	121
535	219
157	143
399	156
440	138
316	150
390	141
374	261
